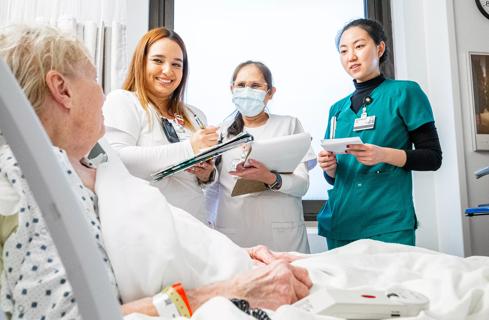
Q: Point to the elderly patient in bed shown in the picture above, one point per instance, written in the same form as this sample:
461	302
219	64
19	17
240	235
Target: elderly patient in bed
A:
59	80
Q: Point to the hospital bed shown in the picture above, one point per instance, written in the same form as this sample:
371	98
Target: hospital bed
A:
457	288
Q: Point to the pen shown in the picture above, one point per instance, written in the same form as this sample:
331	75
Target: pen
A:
199	122
332	128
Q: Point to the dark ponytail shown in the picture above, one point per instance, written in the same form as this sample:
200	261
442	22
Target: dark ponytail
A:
237	126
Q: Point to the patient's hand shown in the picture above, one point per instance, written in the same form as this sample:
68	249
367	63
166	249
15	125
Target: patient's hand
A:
268	286
273	285
263	255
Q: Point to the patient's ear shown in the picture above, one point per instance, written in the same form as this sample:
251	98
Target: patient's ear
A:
59	88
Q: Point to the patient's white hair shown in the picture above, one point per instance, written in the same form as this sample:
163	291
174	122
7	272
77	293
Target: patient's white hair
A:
31	52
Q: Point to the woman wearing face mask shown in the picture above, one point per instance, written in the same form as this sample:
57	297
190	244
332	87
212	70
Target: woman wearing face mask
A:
273	217
372	185
151	127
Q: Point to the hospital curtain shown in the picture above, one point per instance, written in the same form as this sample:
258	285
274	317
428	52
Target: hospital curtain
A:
100	24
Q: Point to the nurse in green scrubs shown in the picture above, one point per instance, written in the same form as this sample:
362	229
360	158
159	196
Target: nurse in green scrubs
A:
372	185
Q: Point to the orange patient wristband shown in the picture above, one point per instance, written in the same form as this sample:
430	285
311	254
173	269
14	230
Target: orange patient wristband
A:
172	301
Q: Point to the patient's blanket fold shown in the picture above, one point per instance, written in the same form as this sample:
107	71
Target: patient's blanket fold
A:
152	244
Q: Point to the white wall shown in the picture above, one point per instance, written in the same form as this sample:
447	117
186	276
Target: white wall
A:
410	63
431	41
294	39
471	31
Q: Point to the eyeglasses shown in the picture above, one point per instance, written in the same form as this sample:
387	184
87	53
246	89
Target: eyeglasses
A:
252	85
169	131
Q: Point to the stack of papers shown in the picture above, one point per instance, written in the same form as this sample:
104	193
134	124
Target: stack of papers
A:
281	154
338	146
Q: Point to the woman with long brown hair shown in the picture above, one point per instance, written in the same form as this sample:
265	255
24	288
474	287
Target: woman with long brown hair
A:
151	127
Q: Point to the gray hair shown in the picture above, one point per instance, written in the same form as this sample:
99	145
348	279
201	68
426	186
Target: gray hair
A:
31	52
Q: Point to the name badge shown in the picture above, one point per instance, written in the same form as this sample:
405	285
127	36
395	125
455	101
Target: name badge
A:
364	123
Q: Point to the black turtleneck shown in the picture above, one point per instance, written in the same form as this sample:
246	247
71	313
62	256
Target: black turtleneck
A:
427	154
362	90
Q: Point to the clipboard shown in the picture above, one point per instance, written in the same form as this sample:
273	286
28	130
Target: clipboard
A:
208	154
244	186
280	154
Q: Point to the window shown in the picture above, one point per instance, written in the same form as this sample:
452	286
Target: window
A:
295	39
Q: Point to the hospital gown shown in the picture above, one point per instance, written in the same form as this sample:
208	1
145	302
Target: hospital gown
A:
34	284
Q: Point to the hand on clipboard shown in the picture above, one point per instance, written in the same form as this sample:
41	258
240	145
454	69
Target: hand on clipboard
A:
279	154
249	172
253	170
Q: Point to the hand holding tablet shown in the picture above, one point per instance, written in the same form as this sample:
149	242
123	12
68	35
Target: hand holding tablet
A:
339	145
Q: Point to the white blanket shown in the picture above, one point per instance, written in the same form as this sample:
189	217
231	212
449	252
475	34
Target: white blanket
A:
144	237
458	288
151	244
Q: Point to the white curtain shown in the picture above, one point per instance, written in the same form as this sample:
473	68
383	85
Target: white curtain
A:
100	24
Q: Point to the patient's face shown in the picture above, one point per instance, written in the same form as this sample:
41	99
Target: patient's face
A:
87	101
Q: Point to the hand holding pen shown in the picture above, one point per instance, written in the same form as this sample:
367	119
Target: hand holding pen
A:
199	122
204	138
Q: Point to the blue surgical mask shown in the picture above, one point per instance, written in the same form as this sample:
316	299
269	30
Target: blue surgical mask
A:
249	102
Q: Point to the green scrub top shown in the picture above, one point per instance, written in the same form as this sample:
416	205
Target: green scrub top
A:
372	200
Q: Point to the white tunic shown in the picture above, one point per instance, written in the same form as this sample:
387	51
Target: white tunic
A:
273	218
144	149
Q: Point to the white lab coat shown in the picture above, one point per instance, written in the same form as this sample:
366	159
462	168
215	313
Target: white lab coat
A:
272	218
144	149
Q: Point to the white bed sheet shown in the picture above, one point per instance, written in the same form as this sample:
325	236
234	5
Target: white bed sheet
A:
141	232
458	288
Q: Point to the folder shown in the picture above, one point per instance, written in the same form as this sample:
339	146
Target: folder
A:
280	154
205	155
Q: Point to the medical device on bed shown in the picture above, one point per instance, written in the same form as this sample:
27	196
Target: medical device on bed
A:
61	210
364	304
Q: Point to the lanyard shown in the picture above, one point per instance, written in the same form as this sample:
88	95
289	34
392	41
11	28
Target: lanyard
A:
365	122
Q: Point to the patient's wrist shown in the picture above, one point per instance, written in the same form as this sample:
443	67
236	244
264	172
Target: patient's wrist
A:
199	296
172	302
143	306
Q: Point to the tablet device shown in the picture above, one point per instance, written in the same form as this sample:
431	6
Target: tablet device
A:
338	146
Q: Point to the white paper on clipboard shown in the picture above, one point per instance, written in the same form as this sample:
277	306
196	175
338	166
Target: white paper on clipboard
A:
338	146
281	154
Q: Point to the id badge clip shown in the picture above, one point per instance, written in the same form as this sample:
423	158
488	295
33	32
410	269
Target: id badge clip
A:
364	122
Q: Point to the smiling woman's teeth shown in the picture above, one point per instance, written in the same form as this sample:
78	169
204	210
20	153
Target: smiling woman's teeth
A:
163	80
